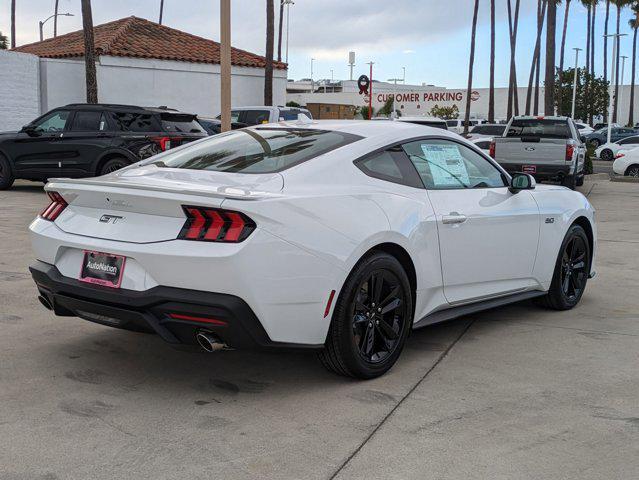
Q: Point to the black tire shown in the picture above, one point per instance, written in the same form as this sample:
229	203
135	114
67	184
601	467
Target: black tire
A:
632	171
595	143
113	164
571	271
6	174
364	341
607	155
569	181
580	180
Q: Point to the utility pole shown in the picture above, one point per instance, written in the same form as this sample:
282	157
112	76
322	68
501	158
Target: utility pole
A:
574	82
288	14
225	64
612	80
370	92
312	82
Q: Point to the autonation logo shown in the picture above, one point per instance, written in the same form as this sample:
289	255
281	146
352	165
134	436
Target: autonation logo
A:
103	267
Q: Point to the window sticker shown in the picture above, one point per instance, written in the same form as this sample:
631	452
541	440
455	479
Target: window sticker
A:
447	165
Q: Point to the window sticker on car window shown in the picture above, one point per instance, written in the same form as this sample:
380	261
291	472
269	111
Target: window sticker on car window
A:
446	165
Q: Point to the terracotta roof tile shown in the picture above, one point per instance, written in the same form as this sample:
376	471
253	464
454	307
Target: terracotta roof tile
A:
140	38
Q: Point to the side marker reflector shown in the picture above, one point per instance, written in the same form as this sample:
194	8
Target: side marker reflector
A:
329	303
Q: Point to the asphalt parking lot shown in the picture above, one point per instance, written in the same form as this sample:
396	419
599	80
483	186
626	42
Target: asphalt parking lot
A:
517	392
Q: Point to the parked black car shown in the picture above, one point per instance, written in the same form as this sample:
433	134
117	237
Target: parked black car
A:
85	140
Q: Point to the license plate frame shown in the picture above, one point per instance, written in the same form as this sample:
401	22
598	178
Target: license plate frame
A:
107	269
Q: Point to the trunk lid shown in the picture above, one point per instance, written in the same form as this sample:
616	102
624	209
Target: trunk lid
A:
534	151
144	204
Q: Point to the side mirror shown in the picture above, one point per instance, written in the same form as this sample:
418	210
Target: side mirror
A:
522	181
30	130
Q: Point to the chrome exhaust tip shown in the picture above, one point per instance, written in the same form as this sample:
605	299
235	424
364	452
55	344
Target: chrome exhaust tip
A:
45	302
209	342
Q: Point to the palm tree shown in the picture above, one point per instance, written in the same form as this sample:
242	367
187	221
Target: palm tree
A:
549	80
4	42
605	45
634	24
619	4
279	37
89	52
491	86
562	49
161	11
513	96
55	18
13	23
470	68
592	37
268	68
535	59
588	5
540	21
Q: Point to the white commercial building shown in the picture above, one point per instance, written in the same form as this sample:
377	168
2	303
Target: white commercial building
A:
139	63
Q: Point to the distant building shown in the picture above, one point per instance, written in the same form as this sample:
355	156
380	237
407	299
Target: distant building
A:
143	63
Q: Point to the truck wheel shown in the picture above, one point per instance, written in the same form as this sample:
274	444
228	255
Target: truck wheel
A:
6	175
580	180
569	181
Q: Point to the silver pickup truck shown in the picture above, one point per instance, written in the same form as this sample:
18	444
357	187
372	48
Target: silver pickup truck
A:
549	148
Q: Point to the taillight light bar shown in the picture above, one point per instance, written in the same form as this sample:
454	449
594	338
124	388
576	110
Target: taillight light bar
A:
491	149
570	150
55	208
215	225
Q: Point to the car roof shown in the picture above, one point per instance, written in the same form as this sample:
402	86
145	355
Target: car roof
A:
364	128
413	118
115	106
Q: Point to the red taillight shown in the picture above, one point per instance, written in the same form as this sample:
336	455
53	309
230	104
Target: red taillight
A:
619	155
215	225
55	208
165	143
570	150
491	149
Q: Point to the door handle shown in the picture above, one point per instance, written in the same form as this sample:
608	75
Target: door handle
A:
453	218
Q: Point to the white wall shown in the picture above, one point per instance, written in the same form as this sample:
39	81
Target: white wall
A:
191	87
19	89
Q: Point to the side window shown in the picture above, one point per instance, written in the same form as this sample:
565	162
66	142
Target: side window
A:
451	123
89	122
632	140
135	122
256	117
54	122
390	166
444	165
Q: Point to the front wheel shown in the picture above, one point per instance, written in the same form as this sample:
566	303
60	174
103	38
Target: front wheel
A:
113	165
607	155
632	171
372	318
571	271
6	175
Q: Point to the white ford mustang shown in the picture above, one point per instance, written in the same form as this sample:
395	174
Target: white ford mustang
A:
334	235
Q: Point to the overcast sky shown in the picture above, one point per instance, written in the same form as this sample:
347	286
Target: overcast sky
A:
430	38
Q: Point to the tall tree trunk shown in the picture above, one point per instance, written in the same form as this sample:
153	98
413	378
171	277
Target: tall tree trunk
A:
89	52
540	21
562	49
592	38
471	63
491	86
515	86
279	37
511	83
535	59
13	23
549	80
55	19
588	43
631	109
268	69
614	108
161	11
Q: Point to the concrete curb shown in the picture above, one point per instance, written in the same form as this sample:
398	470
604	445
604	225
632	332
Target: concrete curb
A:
622	179
596	176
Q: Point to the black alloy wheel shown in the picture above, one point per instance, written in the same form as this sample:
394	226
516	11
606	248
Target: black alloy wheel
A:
378	314
113	165
633	171
571	271
371	320
607	155
6	175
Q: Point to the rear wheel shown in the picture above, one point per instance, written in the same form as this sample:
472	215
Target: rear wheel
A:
580	180
6	174
571	271
607	155
112	165
569	181
372	318
632	171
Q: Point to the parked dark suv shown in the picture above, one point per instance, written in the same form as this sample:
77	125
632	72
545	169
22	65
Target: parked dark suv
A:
83	140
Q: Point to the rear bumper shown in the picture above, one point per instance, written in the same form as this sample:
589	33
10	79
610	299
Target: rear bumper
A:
543	172
173	313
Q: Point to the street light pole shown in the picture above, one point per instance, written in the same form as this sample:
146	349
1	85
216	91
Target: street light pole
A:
404	76
394	80
41	24
574	82
623	67
370	92
288	4
312	82
611	96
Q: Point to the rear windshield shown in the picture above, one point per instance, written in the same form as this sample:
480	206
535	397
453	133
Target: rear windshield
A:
289	115
261	150
489	129
542	128
180	124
